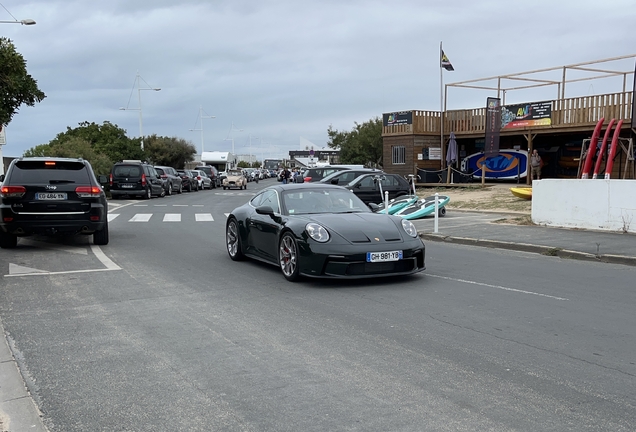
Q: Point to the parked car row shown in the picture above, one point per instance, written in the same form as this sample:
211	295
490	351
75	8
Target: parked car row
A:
136	178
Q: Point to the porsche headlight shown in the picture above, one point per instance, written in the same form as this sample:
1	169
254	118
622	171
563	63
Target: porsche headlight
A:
409	228
317	232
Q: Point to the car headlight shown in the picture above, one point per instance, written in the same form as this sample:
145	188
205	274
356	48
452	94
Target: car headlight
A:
409	227
317	232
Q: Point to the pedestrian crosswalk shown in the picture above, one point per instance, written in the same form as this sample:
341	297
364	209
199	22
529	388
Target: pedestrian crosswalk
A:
167	217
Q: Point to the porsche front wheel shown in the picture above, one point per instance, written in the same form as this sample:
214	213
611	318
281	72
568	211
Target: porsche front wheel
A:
233	240
288	257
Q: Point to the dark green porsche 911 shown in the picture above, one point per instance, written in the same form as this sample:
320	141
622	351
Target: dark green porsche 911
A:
322	230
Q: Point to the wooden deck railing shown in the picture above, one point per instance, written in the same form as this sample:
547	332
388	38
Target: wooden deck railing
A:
579	111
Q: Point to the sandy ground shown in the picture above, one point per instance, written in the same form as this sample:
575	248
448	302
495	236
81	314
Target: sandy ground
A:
492	198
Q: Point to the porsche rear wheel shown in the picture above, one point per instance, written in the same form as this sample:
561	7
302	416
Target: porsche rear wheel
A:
288	257
233	240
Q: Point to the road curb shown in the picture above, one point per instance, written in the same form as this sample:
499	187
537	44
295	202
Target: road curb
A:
532	248
18	411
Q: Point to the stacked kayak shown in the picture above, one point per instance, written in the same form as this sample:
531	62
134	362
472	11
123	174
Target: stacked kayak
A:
424	207
397	204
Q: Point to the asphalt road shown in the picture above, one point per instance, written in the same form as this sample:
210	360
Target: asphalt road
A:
161	331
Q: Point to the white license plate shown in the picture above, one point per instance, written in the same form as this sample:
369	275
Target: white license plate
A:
127	186
50	196
384	256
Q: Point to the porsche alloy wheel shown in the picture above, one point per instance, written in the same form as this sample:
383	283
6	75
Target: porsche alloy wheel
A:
233	240
288	257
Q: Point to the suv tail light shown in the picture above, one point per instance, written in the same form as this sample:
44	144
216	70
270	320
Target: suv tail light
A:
163	176
111	180
88	191
143	180
198	177
307	179
12	191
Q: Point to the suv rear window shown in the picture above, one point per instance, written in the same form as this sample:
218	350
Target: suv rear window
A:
49	172
127	171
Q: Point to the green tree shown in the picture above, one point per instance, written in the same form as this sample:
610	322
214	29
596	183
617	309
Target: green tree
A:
243	164
107	138
256	164
17	87
360	146
169	151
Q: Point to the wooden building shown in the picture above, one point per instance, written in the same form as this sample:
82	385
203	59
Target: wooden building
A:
415	139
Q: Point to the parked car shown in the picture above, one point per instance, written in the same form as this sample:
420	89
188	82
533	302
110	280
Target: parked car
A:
172	180
212	173
188	180
235	179
367	187
346	176
322	230
135	178
318	173
203	181
222	175
51	196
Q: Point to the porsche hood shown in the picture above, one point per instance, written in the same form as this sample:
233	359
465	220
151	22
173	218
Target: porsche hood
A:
362	227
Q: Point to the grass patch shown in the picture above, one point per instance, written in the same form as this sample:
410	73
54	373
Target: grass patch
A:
551	252
520	220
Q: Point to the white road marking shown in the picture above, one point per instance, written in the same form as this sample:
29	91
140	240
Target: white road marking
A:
16	270
140	205
161	205
141	217
112	216
496	286
179	205
44	245
172	217
226	214
198	205
203	217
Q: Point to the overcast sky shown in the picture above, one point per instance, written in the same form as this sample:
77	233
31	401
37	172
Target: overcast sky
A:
286	69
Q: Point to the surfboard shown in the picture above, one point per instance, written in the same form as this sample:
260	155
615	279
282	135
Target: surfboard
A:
424	207
505	165
522	192
397	204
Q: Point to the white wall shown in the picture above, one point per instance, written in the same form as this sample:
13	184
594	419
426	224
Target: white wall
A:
590	204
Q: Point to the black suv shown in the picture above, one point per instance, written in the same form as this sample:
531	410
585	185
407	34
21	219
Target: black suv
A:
212	172
135	178
51	196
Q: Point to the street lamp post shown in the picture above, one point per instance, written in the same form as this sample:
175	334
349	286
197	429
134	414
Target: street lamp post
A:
139	89
201	117
23	22
232	138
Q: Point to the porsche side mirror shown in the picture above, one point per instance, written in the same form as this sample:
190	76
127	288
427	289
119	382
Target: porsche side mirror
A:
265	210
374	207
1	178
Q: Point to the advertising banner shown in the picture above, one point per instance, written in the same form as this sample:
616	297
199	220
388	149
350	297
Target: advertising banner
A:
493	124
3	137
527	114
397	118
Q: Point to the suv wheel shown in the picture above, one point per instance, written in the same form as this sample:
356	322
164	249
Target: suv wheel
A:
100	238
169	189
8	240
148	193
180	190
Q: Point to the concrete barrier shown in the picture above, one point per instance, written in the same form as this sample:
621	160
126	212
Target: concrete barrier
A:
589	204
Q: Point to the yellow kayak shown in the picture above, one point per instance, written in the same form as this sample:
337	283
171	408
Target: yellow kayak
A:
522	192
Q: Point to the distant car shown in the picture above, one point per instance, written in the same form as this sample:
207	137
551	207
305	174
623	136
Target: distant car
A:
188	180
51	196
322	230
135	178
235	179
212	173
172	180
346	176
318	173
367	187
203	181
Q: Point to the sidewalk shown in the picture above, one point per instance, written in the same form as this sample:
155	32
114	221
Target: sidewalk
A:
480	229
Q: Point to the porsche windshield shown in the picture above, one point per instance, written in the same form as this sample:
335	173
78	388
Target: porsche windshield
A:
311	201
